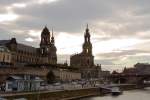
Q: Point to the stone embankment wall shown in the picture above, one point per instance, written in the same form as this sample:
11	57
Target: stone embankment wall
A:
59	95
66	94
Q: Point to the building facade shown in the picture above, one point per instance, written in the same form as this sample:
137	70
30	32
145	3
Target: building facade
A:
23	83
67	75
5	55
22	54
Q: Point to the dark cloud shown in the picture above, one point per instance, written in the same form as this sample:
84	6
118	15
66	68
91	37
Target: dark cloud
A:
112	18
72	15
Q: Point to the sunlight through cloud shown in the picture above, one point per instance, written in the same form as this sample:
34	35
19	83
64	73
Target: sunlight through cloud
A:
19	5
29	39
35	33
46	1
8	17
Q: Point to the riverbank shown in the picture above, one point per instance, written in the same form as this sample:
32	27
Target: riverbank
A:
58	95
64	94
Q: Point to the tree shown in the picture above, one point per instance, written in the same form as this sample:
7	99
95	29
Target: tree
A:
50	77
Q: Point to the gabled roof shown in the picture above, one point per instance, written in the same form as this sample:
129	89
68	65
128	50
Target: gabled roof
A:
13	77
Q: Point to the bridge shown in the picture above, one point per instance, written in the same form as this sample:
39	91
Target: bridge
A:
129	78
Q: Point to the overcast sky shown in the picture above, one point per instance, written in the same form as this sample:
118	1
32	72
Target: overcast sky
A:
120	29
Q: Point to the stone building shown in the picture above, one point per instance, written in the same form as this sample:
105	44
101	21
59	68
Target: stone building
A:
23	54
85	60
67	75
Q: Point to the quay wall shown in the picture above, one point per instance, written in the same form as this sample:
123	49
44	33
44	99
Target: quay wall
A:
59	95
66	94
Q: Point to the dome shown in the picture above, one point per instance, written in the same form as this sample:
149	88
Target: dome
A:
45	31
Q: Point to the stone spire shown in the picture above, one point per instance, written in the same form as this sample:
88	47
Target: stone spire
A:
87	46
87	34
52	38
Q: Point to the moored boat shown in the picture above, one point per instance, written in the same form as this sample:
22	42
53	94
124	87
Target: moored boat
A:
116	91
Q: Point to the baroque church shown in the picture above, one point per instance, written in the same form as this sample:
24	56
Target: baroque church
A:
23	54
85	60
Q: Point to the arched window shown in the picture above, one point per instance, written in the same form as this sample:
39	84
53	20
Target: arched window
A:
42	51
87	39
47	49
87	50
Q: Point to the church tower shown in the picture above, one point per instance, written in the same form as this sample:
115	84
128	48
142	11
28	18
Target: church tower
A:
87	46
85	59
53	49
47	47
45	42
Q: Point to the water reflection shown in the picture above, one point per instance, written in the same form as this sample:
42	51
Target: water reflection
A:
143	94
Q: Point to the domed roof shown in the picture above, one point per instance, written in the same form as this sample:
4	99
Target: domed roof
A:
45	31
87	44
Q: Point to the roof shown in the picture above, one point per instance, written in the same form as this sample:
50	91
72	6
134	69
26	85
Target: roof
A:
26	48
13	77
38	79
20	99
45	31
4	42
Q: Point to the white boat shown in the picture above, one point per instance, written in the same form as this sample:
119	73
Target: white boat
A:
115	91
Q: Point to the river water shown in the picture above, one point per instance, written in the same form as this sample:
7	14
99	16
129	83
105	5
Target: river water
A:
143	94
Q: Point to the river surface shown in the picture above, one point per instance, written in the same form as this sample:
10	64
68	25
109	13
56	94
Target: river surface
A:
143	94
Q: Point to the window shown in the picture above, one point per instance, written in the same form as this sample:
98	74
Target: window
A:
9	86
42	51
88	61
87	50
47	49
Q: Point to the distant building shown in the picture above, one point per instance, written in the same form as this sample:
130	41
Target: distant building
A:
67	75
142	68
22	54
5	56
129	71
85	60
104	74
